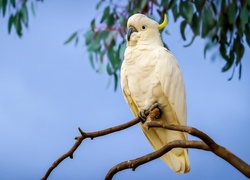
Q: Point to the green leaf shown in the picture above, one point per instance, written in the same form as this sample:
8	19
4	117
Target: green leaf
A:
11	22
229	79
223	6
186	10
207	22
222	20
122	50
232	55
213	6
92	24
98	5
164	3
248	2
88	37
199	5
102	53
4	6
208	46
116	81
223	36
238	49
25	16
175	12
102	34
105	14
195	25
227	66
240	54
111	56
117	58
13	3
240	71
71	38
232	13
230	61
247	34
243	17
223	51
33	8
109	69
18	24
91	59
143	3
76	40
172	4
183	26
123	22
94	45
191	42
215	38
108	36
110	20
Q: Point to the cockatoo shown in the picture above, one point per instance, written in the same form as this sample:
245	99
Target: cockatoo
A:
151	77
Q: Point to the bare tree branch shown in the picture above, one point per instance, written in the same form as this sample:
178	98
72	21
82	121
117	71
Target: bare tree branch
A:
207	144
217	149
91	135
133	164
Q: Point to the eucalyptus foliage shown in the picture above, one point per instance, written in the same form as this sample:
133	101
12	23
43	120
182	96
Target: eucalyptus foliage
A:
225	24
18	13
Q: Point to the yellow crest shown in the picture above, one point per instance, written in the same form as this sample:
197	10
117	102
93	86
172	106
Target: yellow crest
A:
164	23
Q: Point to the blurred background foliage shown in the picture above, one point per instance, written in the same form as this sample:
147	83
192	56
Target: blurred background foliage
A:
17	12
225	24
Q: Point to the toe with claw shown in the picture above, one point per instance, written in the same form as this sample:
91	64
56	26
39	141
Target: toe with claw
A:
142	115
156	105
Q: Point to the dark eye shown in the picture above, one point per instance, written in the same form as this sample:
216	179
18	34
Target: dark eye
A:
143	27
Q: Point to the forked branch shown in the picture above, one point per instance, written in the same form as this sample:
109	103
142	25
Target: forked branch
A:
217	149
90	135
206	143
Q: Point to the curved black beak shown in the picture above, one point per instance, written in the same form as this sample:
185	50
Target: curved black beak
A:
131	29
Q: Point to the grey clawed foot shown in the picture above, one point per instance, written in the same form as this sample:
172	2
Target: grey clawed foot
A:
156	105
142	115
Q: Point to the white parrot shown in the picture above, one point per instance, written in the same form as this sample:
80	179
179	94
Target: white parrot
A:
151	77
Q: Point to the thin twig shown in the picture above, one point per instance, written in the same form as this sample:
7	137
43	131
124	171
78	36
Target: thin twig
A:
85	135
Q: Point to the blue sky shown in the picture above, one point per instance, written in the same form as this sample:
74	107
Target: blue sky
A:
48	90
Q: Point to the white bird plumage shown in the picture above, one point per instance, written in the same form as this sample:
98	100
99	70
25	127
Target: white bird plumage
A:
150	74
